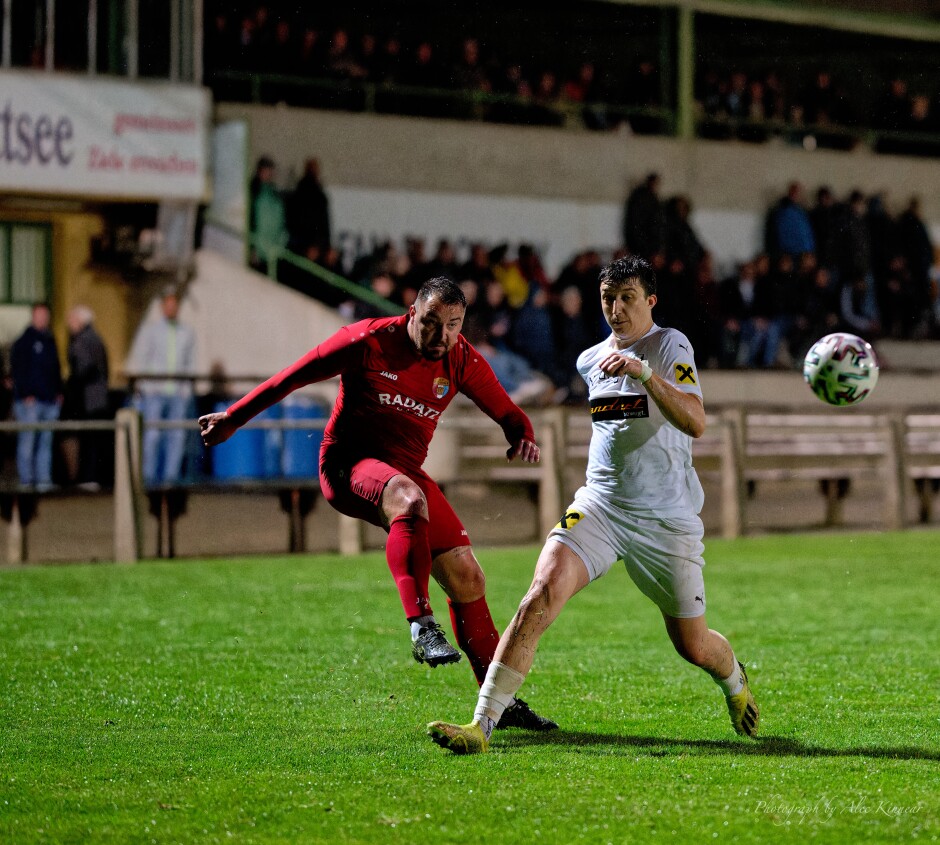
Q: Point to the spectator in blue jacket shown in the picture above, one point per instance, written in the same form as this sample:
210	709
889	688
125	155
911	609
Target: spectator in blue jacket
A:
37	396
791	229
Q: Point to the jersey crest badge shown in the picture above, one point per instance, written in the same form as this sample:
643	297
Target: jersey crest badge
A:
685	374
441	387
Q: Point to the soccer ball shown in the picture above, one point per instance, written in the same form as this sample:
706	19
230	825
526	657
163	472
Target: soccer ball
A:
841	369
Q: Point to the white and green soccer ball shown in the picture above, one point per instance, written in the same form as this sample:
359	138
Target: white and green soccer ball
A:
841	368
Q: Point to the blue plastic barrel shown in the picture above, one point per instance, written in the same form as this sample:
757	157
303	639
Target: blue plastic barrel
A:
300	456
250	452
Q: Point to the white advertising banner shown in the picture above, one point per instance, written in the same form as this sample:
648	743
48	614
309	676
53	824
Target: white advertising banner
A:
78	136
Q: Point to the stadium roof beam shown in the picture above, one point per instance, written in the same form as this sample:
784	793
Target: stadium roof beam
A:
872	23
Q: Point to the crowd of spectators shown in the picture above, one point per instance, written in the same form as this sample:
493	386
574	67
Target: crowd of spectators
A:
513	89
595	91
752	106
841	264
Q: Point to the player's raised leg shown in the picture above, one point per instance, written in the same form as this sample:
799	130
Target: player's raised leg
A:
408	552
559	574
709	650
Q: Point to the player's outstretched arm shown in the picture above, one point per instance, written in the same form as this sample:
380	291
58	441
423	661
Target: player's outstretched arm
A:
216	428
526	450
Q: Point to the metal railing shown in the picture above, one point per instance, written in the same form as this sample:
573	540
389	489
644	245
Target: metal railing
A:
453	103
277	254
359	96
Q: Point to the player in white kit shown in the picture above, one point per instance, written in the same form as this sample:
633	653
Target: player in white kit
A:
639	504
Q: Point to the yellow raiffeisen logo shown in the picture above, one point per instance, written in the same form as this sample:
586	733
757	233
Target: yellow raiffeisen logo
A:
570	519
685	374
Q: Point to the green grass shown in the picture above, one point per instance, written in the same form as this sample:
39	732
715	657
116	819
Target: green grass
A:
275	700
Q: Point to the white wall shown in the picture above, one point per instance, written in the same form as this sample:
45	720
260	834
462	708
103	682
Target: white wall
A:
394	175
222	304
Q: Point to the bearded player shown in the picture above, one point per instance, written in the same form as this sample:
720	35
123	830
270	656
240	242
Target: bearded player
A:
640	504
397	376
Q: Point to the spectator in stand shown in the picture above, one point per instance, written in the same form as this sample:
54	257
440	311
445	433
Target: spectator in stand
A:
530	265
220	44
855	257
736	100
389	66
582	273
915	245
644	227
381	284
894	107
416	253
308	211
525	385
469	73
368	57
790	230
645	92
268	223
582	89
744	308
892	114
340	61
164	347
897	305
37	396
784	297
571	339
421	70
819	313
882	231
86	393
824	220
263	36
681	241
311	59
495	313
545	111
857	307
531	333
444	262
474	328
282	58
477	266
246	51
775	97
819	100
507	273
705	325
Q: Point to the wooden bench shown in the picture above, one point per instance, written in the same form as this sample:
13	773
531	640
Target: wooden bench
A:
922	450
168	502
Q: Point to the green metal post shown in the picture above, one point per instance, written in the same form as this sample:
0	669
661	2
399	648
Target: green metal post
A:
685	71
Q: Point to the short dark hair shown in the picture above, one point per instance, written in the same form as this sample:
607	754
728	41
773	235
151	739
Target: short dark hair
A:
445	289
622	270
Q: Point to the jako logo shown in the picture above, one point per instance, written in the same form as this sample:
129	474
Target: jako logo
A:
389	375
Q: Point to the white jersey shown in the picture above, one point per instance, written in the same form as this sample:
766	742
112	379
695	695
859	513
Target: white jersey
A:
639	461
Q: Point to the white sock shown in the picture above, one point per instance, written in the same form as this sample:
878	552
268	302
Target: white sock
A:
496	694
419	623
734	683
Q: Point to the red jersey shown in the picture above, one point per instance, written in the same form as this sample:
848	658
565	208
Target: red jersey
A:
390	397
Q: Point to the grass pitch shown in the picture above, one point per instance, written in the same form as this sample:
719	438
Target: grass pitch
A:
275	700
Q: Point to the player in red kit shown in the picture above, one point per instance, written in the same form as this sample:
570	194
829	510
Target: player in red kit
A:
397	376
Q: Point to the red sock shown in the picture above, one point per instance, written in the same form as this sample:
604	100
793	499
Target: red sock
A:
476	634
409	558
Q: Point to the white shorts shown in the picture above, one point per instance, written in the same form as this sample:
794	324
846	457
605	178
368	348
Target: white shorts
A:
663	555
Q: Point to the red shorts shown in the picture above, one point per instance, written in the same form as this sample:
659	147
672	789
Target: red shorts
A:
356	490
